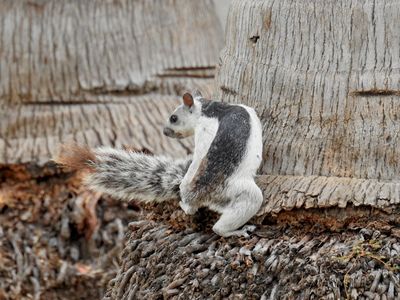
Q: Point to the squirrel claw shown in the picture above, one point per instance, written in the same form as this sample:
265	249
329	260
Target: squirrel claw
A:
245	231
188	209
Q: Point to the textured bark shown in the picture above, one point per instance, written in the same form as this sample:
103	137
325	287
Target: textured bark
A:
99	72
285	192
325	82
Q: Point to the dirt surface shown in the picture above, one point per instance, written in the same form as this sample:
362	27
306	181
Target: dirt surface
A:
57	240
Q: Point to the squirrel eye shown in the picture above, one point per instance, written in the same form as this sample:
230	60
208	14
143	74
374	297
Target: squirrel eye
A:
173	118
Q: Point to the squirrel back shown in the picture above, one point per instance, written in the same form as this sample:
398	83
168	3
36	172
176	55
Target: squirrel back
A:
228	146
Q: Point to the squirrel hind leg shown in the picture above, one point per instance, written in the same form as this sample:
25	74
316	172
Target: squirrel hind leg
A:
244	204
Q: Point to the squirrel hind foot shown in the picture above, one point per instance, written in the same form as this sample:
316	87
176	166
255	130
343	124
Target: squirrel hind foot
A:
74	157
244	232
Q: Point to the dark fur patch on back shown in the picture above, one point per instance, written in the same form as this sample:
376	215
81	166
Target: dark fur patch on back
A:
228	147
200	171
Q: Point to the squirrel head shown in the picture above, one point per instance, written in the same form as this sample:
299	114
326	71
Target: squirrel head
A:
182	122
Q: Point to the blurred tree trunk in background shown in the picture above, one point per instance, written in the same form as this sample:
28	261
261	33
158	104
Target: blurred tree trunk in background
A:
99	72
324	79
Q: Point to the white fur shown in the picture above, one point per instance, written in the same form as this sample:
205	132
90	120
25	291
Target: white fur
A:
204	135
252	159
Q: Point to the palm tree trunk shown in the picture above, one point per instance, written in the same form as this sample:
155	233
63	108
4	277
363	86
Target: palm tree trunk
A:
324	79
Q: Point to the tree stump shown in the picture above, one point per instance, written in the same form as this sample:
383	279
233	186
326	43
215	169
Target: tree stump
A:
159	262
323	78
99	72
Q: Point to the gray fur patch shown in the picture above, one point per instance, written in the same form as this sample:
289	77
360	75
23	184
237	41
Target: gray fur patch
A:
129	175
228	147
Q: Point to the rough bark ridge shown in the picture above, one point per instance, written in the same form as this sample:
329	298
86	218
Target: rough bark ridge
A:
99	72
324	79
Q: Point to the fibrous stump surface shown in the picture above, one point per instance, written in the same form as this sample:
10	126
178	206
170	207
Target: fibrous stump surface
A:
166	259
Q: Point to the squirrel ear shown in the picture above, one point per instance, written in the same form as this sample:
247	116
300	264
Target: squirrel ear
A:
188	100
197	94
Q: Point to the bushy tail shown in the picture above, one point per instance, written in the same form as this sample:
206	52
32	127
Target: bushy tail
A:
127	174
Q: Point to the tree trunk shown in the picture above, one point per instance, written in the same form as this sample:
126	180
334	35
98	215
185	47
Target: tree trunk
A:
99	72
324	79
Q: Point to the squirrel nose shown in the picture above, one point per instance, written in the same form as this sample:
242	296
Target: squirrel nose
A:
168	131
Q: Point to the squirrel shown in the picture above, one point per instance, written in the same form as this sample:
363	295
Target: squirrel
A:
220	175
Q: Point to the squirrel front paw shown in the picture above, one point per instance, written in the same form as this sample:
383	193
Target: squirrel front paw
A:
187	208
